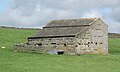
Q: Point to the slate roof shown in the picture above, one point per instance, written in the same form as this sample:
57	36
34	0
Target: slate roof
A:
64	27
59	31
71	22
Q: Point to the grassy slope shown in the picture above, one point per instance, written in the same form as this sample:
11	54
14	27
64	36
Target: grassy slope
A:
28	62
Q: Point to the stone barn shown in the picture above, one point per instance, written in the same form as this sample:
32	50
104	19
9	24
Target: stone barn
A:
69	36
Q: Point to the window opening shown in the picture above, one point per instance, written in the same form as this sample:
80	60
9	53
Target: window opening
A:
39	44
64	45
53	43
88	45
76	45
101	43
88	42
96	43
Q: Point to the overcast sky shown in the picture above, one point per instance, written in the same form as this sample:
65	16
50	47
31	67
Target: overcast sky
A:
36	13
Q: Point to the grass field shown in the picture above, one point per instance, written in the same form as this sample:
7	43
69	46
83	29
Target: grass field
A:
31	62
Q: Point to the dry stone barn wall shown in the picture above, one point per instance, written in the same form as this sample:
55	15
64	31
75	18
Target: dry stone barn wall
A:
93	40
61	43
100	36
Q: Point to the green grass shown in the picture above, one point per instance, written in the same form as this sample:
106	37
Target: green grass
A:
114	46
28	62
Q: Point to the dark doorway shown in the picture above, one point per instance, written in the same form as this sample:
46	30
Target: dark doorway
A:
60	52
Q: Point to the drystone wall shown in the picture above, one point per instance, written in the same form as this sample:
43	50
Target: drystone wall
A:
114	35
93	40
46	45
28	48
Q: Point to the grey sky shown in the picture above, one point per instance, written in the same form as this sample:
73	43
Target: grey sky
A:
36	13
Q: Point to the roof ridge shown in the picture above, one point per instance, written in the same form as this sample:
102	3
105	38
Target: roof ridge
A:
70	22
72	19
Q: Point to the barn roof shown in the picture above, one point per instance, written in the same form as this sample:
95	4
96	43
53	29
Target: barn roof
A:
68	27
70	22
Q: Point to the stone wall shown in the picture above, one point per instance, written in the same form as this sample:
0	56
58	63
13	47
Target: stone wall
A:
93	40
44	45
28	48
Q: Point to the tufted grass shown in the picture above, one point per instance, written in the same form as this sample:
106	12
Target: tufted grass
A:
28	62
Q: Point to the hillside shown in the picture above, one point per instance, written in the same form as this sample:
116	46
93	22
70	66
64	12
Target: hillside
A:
113	35
29	62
